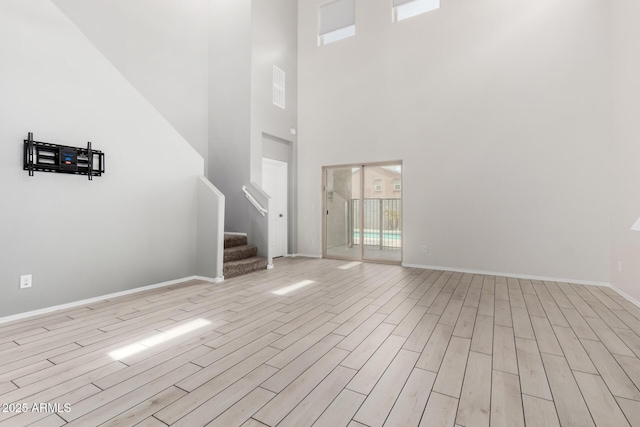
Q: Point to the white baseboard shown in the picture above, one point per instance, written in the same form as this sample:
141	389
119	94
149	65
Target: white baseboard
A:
233	233
104	297
210	279
221	279
626	296
306	256
514	275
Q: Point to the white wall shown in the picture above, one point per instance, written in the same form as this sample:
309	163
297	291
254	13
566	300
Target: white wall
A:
246	38
230	108
498	110
160	46
625	244
274	42
274	32
135	225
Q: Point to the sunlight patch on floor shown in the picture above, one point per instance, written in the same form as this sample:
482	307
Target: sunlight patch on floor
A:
159	338
291	288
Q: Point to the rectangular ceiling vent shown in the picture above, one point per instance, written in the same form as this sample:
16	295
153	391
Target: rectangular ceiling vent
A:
279	94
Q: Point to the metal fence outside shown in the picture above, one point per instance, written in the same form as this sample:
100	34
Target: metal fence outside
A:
382	222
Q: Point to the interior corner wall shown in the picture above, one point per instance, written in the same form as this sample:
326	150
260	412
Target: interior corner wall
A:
625	243
499	111
274	30
131	227
246	38
230	107
274	43
160	46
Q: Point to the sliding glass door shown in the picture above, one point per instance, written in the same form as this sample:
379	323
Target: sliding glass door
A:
342	202
363	212
382	213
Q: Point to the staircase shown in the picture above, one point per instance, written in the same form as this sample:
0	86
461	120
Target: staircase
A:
239	257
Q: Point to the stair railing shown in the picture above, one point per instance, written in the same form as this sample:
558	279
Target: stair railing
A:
254	202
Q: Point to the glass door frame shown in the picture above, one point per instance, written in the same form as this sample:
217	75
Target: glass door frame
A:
362	167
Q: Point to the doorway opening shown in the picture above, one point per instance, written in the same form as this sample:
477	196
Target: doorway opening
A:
363	212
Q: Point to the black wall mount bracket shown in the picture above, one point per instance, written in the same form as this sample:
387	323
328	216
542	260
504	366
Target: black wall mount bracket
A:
46	157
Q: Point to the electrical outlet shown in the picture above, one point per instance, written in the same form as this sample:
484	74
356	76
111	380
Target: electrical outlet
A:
620	266
25	281
423	249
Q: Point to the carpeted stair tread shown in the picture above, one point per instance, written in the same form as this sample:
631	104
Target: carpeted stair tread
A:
243	266
233	240
240	257
240	252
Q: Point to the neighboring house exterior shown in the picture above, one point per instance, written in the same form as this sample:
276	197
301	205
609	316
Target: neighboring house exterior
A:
379	183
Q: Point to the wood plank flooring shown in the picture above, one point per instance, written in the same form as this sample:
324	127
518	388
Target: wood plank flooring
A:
372	345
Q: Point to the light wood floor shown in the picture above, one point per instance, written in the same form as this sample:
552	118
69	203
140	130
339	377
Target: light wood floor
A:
371	345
